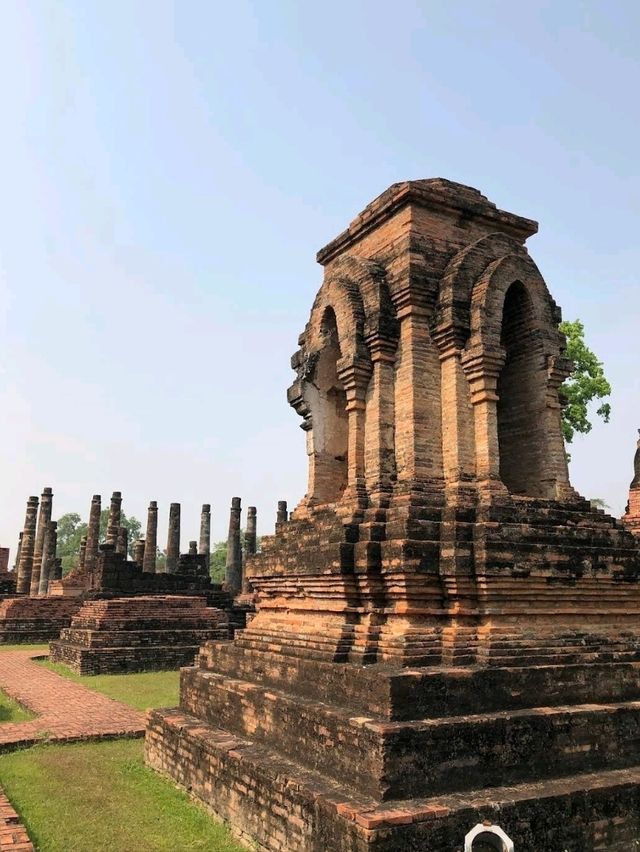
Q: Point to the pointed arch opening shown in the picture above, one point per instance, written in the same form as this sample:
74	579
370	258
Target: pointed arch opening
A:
521	398
330	417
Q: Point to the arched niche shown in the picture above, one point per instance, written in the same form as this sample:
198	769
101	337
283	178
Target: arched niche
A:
521	394
327	401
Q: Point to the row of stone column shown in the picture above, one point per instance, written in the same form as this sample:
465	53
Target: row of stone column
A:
36	559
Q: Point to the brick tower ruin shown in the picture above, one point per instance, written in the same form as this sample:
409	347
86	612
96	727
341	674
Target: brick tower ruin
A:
447	634
632	515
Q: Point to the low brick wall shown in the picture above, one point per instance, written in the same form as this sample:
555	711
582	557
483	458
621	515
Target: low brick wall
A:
34	620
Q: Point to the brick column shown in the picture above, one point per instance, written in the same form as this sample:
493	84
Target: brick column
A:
173	539
151	539
355	378
205	534
251	532
48	557
122	542
93	534
233	567
283	515
458	456
113	525
138	551
83	552
18	550
23	580
44	516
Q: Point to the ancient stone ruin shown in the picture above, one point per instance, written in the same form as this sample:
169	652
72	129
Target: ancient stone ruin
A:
446	650
632	515
139	615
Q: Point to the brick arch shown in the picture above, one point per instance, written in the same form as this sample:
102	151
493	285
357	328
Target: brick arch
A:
343	297
514	340
488	296
452	317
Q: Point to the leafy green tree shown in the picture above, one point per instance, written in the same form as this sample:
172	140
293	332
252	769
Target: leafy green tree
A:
586	383
218	561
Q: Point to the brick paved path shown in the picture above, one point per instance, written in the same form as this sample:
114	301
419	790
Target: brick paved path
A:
64	709
13	835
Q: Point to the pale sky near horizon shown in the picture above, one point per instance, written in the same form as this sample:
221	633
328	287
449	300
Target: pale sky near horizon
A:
169	170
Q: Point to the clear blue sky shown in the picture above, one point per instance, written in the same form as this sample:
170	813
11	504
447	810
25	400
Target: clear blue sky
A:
168	171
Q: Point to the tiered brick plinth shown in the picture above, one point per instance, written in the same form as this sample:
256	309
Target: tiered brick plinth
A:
138	634
27	619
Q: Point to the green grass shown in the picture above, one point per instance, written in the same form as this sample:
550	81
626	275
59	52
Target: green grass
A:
140	690
99	797
11	711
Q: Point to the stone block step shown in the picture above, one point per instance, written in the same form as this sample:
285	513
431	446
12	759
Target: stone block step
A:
393	760
285	807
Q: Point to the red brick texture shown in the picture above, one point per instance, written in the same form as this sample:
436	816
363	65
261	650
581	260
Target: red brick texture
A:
65	711
13	835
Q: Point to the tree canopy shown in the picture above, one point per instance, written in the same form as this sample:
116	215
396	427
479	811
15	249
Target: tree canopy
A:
586	383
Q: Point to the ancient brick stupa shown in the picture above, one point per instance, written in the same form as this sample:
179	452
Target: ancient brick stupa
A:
446	653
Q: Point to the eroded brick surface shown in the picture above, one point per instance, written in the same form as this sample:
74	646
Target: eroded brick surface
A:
13	835
446	632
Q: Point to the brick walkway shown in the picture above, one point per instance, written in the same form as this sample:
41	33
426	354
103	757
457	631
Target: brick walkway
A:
64	709
13	835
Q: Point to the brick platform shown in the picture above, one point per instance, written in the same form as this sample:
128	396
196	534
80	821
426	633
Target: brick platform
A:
138	634
65	710
13	835
35	620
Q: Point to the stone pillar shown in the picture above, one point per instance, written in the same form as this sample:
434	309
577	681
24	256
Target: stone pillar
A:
44	516
48	557
115	511
83	552
283	515
193	548
379	449
93	534
355	378
205	533
138	551
251	532
173	539
122	542
233	567
151	539
23	580
19	549
632	515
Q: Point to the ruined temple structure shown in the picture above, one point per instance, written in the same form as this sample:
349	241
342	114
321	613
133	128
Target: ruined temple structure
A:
134	616
446	652
7	577
632	515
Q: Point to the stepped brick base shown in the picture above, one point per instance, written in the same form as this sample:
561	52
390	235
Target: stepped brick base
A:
309	756
33	620
138	634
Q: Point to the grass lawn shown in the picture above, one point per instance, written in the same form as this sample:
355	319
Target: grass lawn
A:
99	797
141	690
11	711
